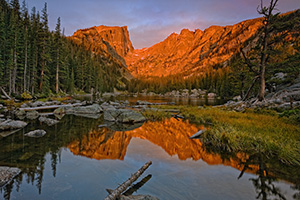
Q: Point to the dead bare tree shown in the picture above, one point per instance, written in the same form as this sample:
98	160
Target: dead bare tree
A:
260	74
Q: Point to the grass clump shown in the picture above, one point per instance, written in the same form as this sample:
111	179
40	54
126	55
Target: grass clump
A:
155	114
249	132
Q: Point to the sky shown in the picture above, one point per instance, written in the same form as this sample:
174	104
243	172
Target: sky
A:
151	21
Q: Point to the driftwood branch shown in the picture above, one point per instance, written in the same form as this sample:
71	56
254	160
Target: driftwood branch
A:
5	94
117	192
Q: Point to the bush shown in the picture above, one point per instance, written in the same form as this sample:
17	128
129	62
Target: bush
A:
26	96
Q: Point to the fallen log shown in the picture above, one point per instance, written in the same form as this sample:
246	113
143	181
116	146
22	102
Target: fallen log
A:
5	94
114	194
50	107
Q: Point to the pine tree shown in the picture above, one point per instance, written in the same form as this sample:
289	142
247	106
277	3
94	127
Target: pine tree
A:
57	41
44	51
26	24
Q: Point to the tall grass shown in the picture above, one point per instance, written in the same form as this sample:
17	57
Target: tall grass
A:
249	132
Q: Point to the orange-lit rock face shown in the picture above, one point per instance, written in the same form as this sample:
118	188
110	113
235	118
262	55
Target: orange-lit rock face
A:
170	134
113	41
190	51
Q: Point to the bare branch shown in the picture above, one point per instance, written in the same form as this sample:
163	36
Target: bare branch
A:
249	64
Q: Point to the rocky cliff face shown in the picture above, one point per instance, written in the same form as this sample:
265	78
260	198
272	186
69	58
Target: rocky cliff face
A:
186	53
191	51
110	41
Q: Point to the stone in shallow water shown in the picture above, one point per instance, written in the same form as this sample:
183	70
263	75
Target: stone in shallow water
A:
7	174
11	124
36	133
48	121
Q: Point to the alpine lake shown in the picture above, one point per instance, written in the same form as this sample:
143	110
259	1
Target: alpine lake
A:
78	159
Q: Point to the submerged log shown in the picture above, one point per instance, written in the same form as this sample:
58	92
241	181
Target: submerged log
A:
196	135
117	192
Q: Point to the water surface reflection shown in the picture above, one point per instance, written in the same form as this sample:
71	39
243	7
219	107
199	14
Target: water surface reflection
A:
104	157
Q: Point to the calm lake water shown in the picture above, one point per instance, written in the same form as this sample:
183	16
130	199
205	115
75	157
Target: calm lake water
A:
78	160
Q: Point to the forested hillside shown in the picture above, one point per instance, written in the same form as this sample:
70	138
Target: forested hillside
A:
37	61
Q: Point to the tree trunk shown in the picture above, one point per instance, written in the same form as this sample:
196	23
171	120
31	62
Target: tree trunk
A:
25	64
117	192
14	73
261	94
57	71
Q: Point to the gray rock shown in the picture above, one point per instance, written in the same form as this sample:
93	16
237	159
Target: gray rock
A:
7	174
24	105
19	113
11	124
211	95
107	106
91	109
36	133
123	116
32	115
115	104
37	104
48	121
143	103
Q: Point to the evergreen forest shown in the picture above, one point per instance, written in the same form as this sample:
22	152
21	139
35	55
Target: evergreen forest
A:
37	61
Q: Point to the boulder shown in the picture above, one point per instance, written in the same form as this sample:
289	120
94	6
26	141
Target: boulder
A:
48	121
107	106
11	124
32	115
143	103
123	116
20	113
91	109
36	133
211	95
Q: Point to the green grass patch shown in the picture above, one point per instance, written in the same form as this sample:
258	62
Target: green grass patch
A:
155	114
250	132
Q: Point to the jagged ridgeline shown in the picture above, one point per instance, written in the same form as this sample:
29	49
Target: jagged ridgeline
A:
39	61
212	59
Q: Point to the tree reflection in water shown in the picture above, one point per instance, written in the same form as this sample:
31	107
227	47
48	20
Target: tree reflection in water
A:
264	183
83	137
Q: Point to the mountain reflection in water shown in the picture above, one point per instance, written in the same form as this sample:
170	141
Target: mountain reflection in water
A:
170	134
83	137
